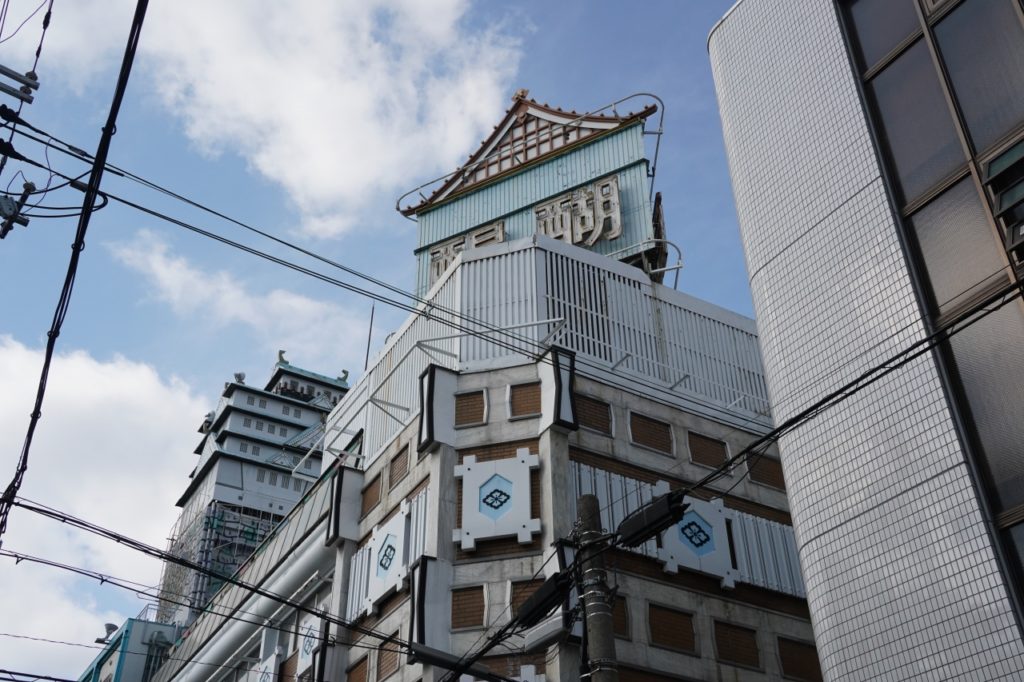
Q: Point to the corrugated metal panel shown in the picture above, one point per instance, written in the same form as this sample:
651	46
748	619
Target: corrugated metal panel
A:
765	551
766	554
393	377
501	292
418	517
617	496
590	161
637	225
358	583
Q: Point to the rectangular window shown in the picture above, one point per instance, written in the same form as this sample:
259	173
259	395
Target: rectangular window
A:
250	400
286	410
521	591
766	471
470	408
524	400
371	495
468	607
255	449
284	432
916	126
296	485
799	660
880	26
399	467
243	446
308	464
671	629
620	617
259	425
271	428
298	413
982	44
273	478
261	475
651	433
357	673
246	422
387	659
594	414
263	403
285	478
737	645
707	451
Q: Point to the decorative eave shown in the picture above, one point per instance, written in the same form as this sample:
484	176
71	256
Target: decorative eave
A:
586	126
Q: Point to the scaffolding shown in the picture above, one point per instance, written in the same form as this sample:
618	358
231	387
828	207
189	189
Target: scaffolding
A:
220	540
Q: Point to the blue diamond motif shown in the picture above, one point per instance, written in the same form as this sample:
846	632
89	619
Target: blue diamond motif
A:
495	497
696	534
386	555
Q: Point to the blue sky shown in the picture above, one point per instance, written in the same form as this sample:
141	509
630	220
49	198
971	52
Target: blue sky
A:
306	119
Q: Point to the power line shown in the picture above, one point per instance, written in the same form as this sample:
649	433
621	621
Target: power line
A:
130	586
485	327
31	677
154	552
64	302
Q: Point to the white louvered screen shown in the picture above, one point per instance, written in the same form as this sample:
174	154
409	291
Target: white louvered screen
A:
358	583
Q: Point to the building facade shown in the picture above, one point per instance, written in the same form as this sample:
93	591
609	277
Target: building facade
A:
538	369
132	652
257	456
876	150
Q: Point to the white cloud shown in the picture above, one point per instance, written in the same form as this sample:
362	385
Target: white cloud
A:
114	446
339	103
315	332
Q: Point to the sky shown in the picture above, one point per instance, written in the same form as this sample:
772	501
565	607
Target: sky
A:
306	119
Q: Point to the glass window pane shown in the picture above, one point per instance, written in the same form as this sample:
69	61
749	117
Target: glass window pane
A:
960	251
990	360
881	25
917	129
982	44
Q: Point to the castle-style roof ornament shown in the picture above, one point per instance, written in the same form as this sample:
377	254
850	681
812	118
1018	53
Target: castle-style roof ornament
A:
529	133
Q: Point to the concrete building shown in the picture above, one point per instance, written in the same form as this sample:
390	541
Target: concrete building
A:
244	484
538	368
876	149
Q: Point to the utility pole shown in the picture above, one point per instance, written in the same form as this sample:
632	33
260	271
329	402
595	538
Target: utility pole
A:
594	593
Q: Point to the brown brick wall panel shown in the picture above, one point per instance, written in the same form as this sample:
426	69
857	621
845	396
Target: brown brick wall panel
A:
387	659
737	644
469	408
398	467
286	673
799	660
650	433
524	399
620	617
521	591
511	666
357	673
468	607
671	629
768	471
371	495
594	414
707	451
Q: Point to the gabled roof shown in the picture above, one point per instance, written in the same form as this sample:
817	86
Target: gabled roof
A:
529	134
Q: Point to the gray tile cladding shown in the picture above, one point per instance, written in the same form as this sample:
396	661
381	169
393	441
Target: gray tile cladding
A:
901	578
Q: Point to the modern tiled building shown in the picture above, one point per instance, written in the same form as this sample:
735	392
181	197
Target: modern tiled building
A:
876	149
546	362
